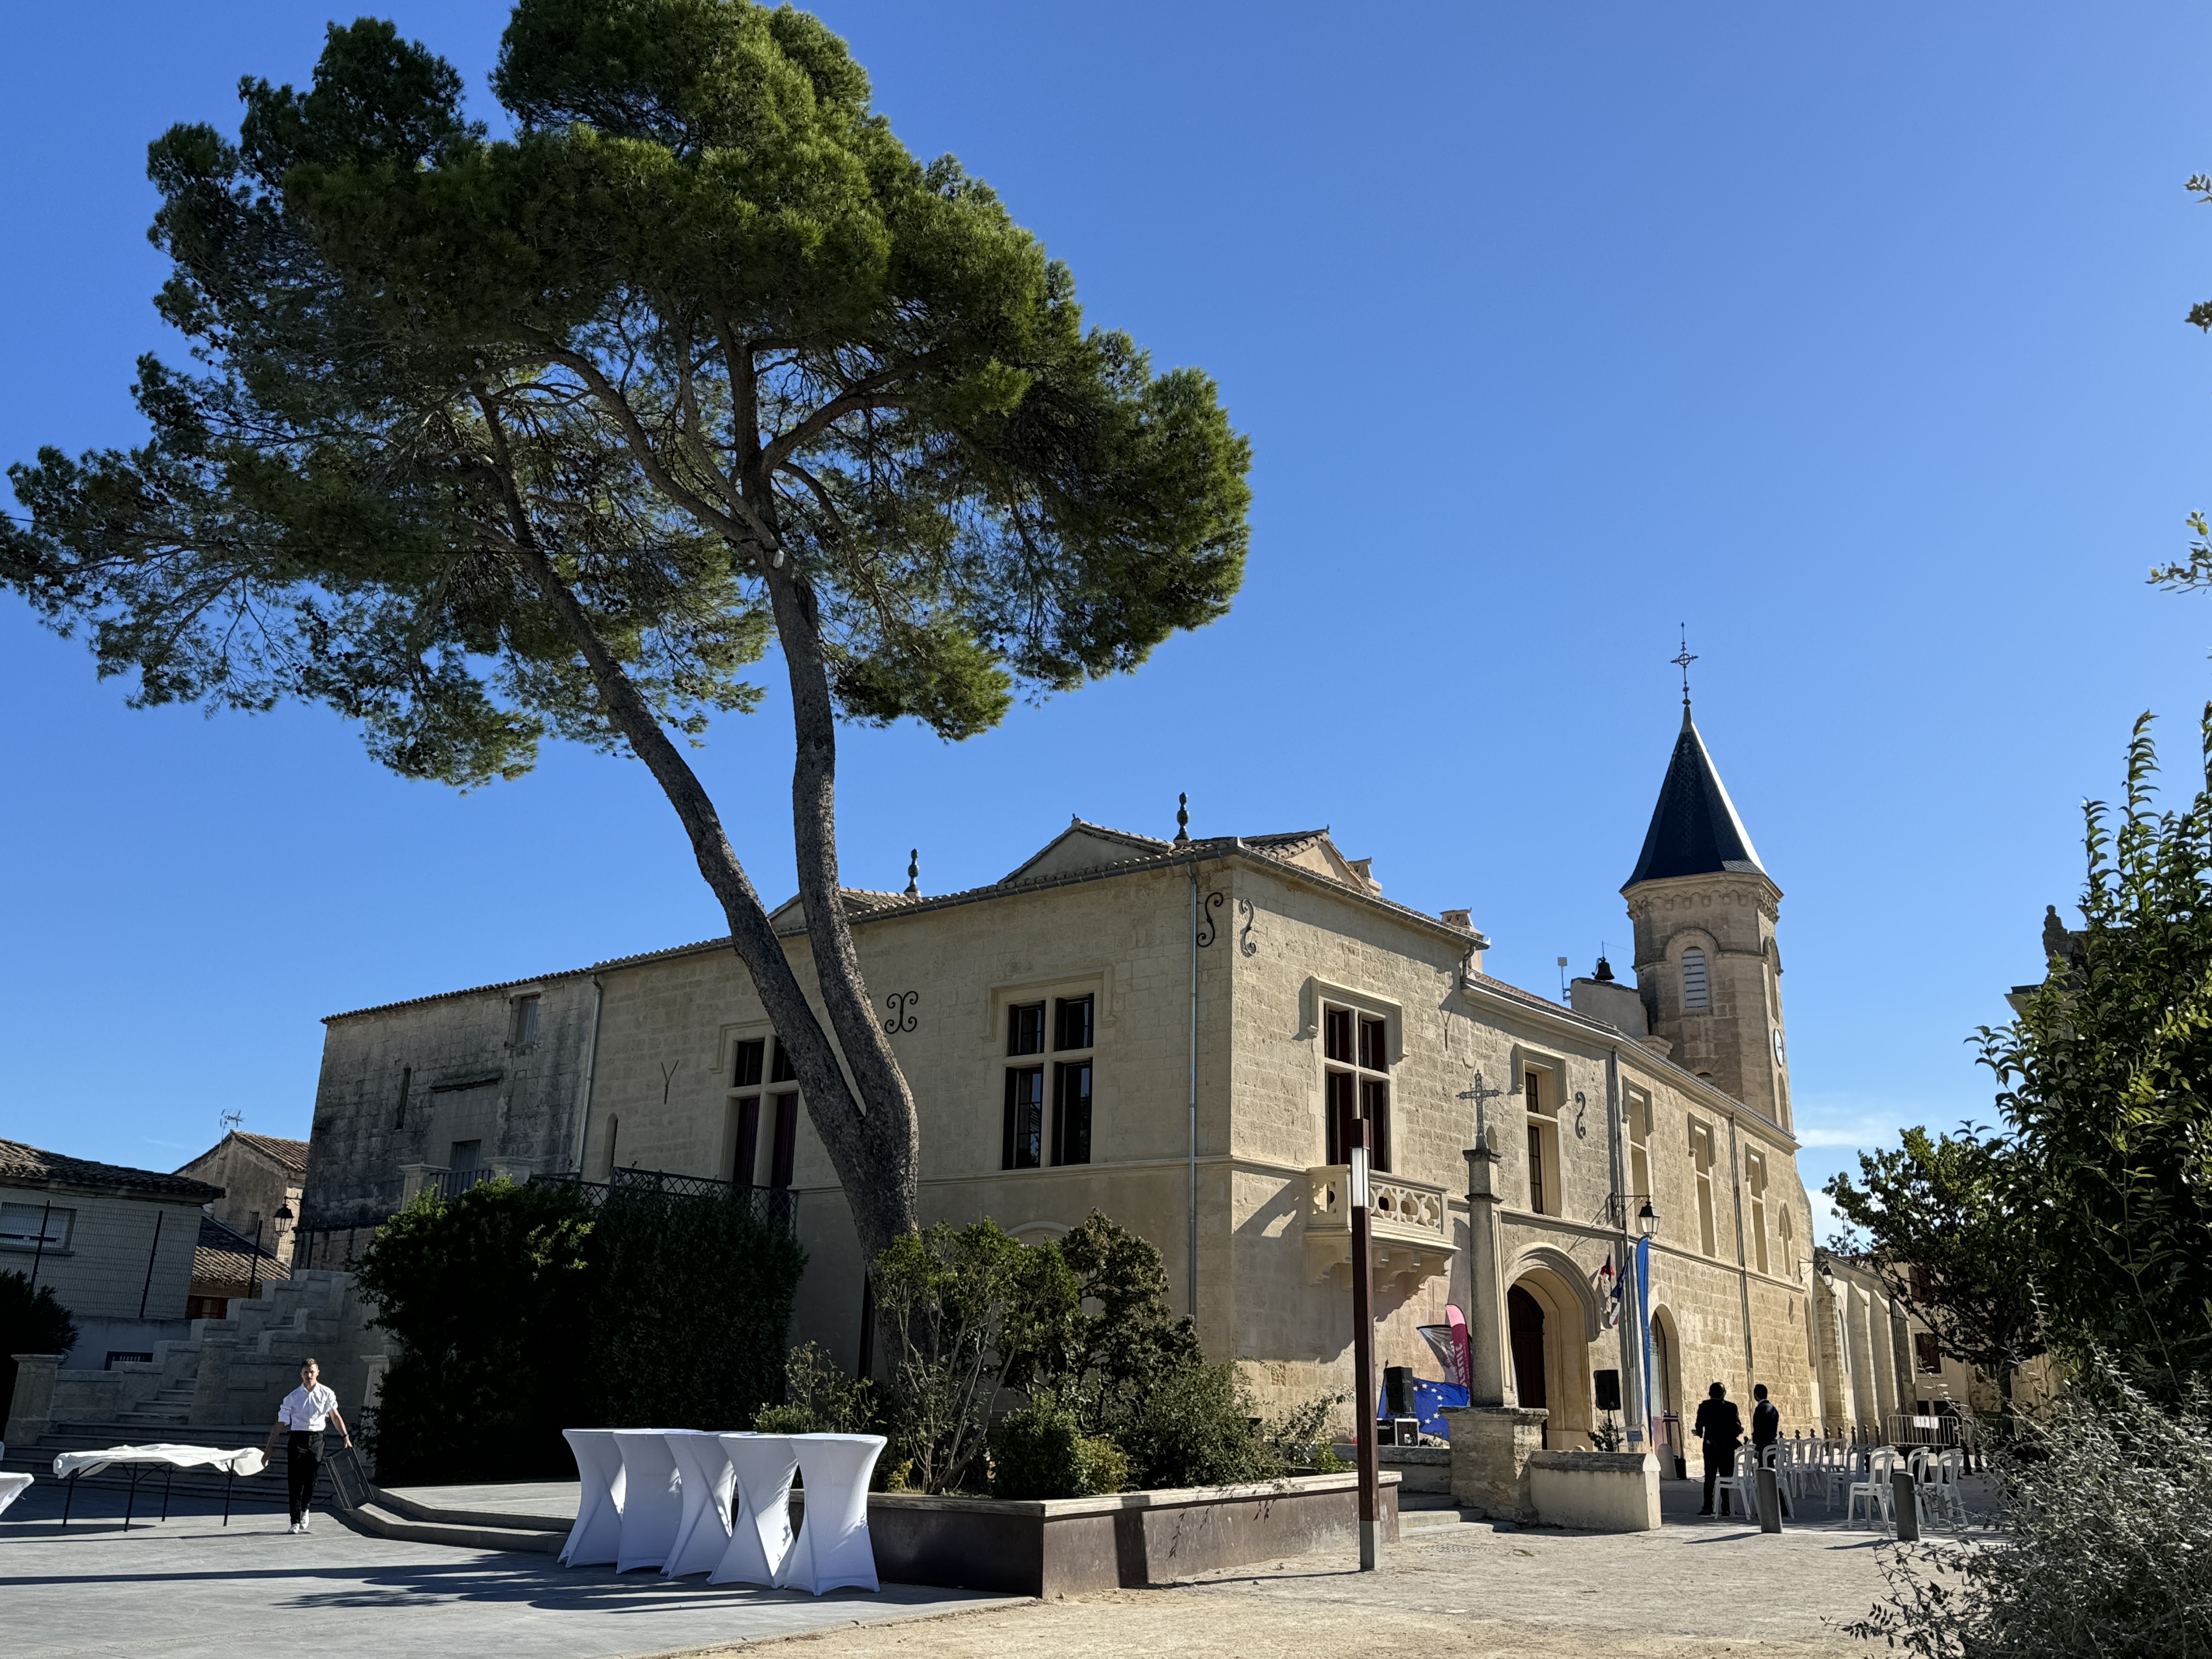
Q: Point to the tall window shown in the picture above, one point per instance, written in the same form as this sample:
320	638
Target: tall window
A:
1639	1151
1701	1160
1540	1092
1927	1354
1038	1131
1696	993
522	1023
1357	1083
1786	1227
1754	1170
761	1065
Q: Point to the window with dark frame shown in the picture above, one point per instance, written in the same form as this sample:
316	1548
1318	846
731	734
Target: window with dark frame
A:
523	1030
1355	1084
760	1064
1927	1353
1536	1167
1037	1132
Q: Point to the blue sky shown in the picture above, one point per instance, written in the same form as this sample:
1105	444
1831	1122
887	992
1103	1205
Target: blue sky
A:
1851	338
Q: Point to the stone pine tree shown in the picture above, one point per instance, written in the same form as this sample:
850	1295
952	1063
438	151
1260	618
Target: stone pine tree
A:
489	440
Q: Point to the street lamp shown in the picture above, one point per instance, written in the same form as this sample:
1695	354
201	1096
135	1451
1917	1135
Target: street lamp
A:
1362	1343
1647	1221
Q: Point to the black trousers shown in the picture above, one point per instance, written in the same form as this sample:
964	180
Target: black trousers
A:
303	1457
1719	1461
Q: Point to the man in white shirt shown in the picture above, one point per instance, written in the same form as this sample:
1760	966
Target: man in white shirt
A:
303	1412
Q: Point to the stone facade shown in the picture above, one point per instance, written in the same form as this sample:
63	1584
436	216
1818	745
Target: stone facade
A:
260	1176
1228	979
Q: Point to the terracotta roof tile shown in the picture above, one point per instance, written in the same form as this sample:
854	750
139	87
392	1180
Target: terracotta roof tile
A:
22	1165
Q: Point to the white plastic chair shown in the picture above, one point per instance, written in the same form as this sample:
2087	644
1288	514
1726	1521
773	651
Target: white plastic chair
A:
1741	1482
833	1551
596	1538
652	1501
1846	1467
703	1531
1944	1493
761	1465
1875	1488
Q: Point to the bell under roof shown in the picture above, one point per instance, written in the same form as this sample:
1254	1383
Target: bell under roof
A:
1694	829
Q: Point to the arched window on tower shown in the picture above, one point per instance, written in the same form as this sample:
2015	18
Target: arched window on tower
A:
1695	993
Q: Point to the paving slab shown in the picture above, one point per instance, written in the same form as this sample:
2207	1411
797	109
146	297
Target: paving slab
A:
191	1588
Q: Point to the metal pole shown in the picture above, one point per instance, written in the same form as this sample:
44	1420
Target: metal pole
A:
147	1289
39	1254
253	1282
1363	1344
1192	1245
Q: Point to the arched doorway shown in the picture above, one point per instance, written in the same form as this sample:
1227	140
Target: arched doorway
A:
1666	1385
1524	1322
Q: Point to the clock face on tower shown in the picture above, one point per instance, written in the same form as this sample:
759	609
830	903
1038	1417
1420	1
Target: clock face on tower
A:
1778	1060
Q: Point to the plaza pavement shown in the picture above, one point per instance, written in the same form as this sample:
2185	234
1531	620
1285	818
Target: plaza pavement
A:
191	1589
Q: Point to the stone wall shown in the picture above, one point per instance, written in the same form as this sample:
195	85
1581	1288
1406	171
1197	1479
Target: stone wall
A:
400	1084
102	1272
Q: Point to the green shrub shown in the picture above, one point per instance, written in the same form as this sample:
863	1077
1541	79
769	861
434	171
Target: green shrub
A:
521	1310
2103	1548
969	1312
31	1322
1300	1435
1041	1451
1195	1428
818	1398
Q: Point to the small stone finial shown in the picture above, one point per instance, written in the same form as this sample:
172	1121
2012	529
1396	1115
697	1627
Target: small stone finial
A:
913	872
1182	820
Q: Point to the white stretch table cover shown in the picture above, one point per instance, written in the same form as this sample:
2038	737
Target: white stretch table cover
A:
653	1502
248	1461
762	1465
596	1538
834	1551
702	1532
12	1486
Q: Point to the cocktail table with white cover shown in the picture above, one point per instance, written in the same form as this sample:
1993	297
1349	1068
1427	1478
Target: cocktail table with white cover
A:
652	1500
237	1460
703	1533
13	1487
596	1538
763	1466
833	1550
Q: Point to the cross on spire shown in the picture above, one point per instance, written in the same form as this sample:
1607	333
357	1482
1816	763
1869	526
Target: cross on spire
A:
1683	662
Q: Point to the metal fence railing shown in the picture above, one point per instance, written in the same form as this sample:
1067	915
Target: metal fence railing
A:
772	1206
451	1183
338	1247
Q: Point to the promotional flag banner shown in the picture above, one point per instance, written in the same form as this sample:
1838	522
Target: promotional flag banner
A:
1644	1315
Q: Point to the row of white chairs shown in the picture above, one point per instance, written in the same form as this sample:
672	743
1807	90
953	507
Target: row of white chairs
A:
1857	1474
689	1501
1938	1489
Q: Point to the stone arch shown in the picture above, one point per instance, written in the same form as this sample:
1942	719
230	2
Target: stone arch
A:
1560	1300
1038	1232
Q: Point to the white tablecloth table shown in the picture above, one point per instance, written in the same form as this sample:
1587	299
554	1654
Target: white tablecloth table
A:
596	1538
762	1465
702	1530
13	1487
234	1461
833	1550
652	1501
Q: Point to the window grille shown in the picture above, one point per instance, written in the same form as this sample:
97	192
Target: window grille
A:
1695	992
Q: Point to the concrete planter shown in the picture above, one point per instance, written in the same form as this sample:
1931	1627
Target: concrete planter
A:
1597	1491
1078	1546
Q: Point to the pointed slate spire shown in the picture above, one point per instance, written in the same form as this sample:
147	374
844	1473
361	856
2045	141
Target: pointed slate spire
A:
1695	829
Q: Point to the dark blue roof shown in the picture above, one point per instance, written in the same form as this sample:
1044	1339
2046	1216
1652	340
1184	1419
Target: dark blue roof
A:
1695	829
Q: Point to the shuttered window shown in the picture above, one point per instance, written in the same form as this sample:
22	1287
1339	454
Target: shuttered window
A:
1695	995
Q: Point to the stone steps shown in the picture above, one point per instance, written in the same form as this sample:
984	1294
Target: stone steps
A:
382	1518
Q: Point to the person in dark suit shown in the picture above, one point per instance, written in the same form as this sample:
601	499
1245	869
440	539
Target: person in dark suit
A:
1720	1426
1766	1420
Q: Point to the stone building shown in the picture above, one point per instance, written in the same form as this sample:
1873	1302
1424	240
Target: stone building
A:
1178	1033
260	1176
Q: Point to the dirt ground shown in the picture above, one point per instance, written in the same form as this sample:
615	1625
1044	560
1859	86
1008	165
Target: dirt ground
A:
1686	1592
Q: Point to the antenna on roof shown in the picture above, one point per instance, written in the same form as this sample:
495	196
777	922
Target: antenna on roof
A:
231	1120
913	872
1562	978
1683	663
1182	820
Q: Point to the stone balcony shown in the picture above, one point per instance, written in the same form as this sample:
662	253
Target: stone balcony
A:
1408	1220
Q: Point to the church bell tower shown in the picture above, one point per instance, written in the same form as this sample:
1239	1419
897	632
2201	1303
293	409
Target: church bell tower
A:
1704	909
